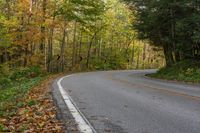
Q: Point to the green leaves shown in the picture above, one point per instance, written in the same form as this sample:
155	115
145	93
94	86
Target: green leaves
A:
187	70
4	37
81	10
169	23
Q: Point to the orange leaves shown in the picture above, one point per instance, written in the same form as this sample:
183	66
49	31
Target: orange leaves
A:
37	115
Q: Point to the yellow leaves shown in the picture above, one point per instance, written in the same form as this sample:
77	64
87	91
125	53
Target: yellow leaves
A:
36	59
23	5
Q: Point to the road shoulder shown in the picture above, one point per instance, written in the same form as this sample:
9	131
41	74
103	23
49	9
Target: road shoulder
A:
63	113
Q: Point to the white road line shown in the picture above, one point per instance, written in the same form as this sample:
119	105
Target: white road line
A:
83	124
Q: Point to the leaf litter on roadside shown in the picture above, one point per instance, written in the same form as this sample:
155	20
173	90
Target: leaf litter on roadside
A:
36	113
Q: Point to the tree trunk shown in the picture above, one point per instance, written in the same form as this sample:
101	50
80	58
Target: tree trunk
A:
111	42
138	60
1	59
80	48
42	43
5	55
26	55
50	47
173	35
99	49
168	55
144	56
177	56
89	50
149	57
74	45
62	55
132	56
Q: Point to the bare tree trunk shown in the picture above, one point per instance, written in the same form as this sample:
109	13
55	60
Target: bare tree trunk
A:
144	56
26	57
111	41
74	45
62	55
133	54
89	49
173	30
100	44
50	47
99	49
149	57
88	52
43	38
168	55
42	43
80	48
138	60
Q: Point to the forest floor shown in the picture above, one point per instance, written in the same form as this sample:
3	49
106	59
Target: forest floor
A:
30	111
185	71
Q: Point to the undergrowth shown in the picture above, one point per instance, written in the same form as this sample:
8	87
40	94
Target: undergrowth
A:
187	70
14	85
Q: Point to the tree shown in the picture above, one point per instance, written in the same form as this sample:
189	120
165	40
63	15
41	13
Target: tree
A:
168	24
68	35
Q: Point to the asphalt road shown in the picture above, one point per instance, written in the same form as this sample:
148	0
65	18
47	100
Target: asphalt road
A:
129	102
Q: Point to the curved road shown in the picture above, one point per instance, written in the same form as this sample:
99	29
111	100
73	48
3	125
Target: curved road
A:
128	102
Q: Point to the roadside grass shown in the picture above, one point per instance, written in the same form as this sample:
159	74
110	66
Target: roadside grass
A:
28	106
14	87
11	96
187	71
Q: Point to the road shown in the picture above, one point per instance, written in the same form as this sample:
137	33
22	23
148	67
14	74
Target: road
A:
129	102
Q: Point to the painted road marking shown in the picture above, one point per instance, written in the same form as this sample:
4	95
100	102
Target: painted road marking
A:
83	124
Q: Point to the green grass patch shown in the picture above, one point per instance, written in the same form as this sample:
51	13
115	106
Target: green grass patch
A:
11	96
187	70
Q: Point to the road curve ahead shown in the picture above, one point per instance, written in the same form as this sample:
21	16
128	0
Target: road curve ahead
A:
128	102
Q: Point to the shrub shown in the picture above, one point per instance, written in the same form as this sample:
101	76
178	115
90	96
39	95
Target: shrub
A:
4	82
34	71
29	72
187	70
4	75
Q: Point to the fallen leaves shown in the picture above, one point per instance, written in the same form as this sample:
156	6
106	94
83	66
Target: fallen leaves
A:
38	113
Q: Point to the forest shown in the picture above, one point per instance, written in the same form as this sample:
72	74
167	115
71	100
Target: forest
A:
72	35
39	38
173	25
